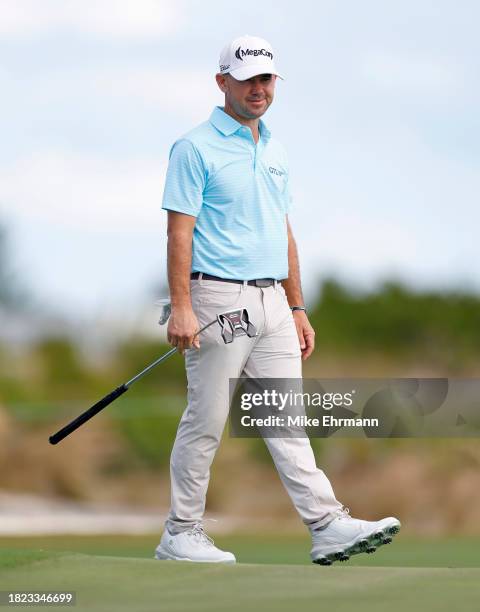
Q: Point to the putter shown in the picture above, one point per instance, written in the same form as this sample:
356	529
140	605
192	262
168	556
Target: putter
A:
233	323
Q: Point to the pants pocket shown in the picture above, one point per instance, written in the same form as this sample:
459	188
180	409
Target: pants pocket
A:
213	294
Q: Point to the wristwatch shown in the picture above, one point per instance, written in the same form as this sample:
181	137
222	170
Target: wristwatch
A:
294	308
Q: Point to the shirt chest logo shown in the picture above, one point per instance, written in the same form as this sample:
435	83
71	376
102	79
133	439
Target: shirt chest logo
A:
273	170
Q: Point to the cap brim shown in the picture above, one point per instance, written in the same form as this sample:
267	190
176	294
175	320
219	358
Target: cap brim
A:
247	72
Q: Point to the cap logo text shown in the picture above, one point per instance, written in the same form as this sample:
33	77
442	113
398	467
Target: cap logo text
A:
241	53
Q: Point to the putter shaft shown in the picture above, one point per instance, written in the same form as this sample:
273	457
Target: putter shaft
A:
112	396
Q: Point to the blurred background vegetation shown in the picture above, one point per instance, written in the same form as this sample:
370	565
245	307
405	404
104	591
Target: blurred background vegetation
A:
122	455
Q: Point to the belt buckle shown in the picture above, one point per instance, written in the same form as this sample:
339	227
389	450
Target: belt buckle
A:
263	282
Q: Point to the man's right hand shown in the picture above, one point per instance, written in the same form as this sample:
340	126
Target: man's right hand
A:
181	329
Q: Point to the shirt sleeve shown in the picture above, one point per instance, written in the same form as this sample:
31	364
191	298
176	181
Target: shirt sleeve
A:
287	195
185	180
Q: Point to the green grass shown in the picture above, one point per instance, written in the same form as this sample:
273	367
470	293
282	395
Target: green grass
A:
265	549
273	573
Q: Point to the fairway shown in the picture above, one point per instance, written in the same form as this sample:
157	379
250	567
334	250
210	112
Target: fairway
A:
115	583
104	582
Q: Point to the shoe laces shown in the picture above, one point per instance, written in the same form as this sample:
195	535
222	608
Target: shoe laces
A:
344	513
197	531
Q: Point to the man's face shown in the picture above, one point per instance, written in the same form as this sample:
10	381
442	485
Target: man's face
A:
251	98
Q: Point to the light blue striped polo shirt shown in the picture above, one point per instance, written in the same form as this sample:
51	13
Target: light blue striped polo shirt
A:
239	193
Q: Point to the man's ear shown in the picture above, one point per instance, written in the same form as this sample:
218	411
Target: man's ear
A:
221	81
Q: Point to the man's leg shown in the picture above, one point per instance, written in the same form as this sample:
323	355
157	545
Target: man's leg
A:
276	354
208	372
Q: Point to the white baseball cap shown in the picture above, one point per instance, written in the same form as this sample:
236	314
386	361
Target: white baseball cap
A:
246	57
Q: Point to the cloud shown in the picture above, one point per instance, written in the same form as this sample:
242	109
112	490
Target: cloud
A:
182	91
131	19
83	192
412	73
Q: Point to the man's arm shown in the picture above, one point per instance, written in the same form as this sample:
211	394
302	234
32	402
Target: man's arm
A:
183	323
292	284
293	289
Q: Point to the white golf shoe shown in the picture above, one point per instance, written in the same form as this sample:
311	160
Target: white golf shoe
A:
346	536
191	545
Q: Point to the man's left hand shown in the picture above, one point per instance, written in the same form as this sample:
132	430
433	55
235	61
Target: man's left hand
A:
306	333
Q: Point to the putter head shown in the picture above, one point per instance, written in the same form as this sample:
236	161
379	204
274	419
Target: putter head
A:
165	310
235	323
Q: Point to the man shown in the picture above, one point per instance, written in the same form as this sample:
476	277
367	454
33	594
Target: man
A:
230	245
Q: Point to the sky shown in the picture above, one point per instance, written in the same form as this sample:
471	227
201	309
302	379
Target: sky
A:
378	112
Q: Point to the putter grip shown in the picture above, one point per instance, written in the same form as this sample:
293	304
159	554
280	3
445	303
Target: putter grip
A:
88	414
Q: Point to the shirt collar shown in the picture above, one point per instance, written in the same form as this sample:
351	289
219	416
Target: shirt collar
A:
228	125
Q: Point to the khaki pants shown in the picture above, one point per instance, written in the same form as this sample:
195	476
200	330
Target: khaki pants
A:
274	353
